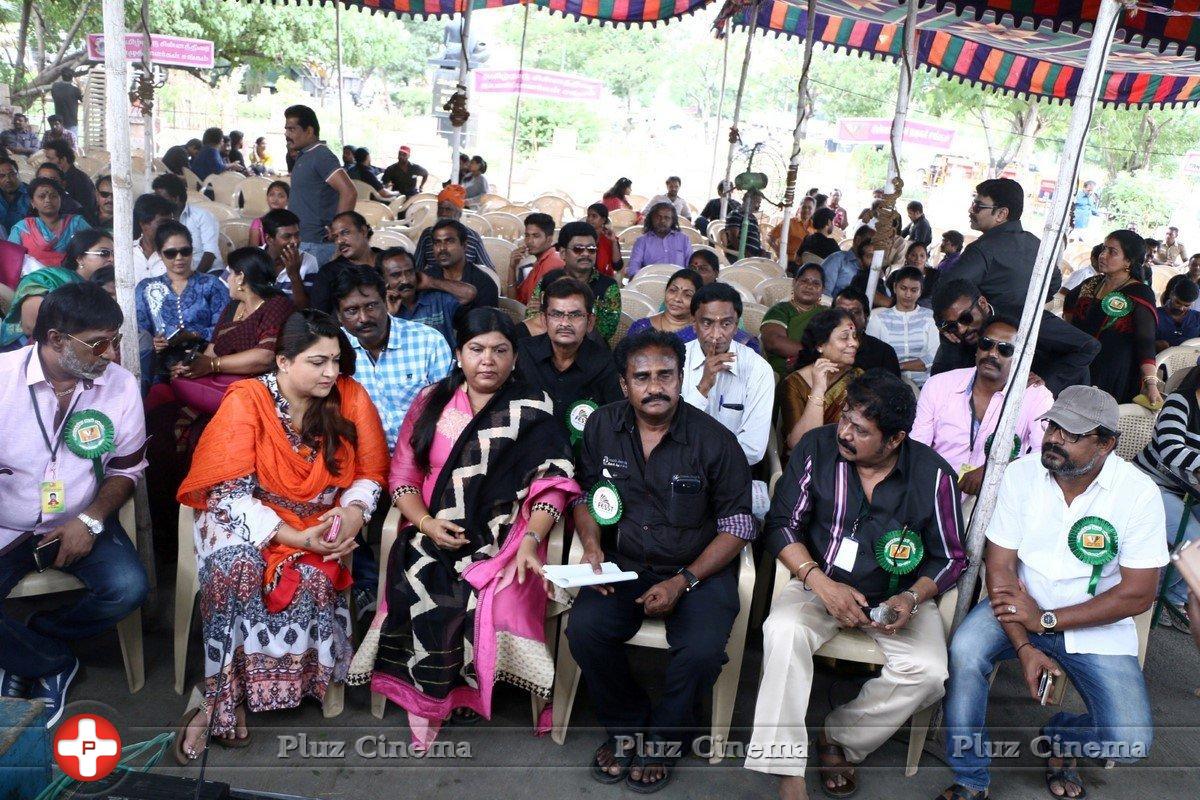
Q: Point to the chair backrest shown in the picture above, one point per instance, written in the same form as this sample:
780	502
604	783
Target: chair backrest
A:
556	207
514	309
365	192
238	231
374	213
193	182
385	238
630	235
749	275
773	290
636	304
225	244
622	327
253	192
421	215
720	254
518	210
219	210
694	236
752	316
1137	426
622	218
656	270
489	201
478	223
652	286
505	225
499	251
225	187
747	295
1174	359
768	266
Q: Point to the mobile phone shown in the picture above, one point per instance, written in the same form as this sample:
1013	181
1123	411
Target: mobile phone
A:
45	554
332	534
1045	687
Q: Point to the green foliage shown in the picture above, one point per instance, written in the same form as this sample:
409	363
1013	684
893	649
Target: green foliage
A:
1136	199
870	166
1126	140
539	121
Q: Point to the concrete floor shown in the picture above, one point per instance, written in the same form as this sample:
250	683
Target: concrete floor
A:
501	758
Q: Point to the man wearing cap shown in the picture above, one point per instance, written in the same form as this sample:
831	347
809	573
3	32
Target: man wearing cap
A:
450	203
1073	555
404	176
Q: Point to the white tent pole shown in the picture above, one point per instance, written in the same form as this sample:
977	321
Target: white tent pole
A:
712	171
147	112
908	66
737	103
789	192
1031	315
337	28
116	117
512	148
463	68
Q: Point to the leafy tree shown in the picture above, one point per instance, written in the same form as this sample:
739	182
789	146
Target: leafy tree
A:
1139	139
1134	199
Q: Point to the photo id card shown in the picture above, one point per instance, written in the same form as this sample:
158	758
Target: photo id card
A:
54	498
847	554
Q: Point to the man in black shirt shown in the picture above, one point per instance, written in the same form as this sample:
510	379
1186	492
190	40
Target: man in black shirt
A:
820	243
179	156
405	177
564	362
75	180
669	498
449	238
1062	356
872	352
67	97
918	229
863	516
351	235
712	209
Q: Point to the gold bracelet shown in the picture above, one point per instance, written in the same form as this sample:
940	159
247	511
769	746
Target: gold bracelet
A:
216	364
800	568
818	399
422	523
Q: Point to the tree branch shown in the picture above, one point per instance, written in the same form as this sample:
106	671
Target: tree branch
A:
22	41
37	86
84	8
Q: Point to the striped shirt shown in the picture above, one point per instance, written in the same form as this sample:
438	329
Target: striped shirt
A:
820	503
912	334
1174	448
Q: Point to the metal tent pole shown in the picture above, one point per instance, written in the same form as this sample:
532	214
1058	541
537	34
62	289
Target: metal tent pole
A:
463	68
1031	315
337	28
147	109
789	192
512	148
737	103
712	171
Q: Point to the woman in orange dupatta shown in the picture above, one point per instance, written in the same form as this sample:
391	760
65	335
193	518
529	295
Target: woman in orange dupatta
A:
286	455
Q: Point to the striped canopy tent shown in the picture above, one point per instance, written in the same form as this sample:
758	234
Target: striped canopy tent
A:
1029	54
615	12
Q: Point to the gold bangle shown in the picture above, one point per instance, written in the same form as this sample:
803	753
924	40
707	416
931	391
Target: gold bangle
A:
216	364
818	399
800	568
420	525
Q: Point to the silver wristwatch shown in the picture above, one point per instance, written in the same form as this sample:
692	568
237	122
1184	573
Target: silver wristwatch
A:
916	600
94	526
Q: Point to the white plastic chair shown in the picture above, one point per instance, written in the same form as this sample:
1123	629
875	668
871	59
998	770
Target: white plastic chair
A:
773	290
225	187
752	317
1137	426
636	304
505	225
1174	359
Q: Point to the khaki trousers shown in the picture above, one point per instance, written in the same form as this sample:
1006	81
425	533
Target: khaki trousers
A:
797	627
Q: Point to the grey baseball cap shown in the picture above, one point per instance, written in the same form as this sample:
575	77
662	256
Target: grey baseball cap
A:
1082	409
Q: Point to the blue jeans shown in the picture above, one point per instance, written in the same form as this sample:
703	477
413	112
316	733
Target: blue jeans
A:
323	252
1117	725
1177	590
116	585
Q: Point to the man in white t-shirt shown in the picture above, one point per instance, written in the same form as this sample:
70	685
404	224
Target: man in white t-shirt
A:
296	269
1073	555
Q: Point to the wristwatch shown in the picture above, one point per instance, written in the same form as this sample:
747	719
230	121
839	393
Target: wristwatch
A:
692	580
916	600
361	506
1049	622
94	526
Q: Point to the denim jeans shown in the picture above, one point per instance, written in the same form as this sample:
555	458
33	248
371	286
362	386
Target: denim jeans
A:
1117	725
323	252
116	585
1177	590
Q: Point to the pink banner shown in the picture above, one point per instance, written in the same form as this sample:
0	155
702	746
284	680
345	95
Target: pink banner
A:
872	130
538	83
166	51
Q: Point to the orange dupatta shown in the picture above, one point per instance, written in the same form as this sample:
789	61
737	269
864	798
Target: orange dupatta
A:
245	437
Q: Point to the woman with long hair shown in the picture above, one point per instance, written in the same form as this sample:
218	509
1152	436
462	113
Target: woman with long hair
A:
475	183
909	328
815	394
676	316
281	483
1118	310
362	171
46	231
481	473
88	251
615	197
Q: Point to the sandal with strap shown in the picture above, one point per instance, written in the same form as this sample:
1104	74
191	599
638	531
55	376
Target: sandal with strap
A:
602	775
1064	775
195	706
828	772
960	792
642	787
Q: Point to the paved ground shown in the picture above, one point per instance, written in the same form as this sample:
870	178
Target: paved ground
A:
501	758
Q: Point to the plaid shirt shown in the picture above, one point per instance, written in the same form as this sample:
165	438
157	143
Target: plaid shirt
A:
414	357
13	138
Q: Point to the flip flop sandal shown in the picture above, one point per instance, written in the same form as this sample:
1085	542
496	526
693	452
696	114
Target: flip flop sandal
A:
195	706
601	775
960	792
641	787
1065	775
234	743
844	771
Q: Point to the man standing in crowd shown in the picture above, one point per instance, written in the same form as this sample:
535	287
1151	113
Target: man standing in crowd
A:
578	245
662	242
539	243
295	270
1087	205
1061	357
394	360
1177	322
951	249
918	230
20	140
1171	251
14	195
958	411
321	189
206	255
783	324
67	97
872	352
449	239
74	444
1073	555
351	236
564	361
450	203
420	297
404	176
1000	261
75	180
841	220
180	155
672	196
726	379
863	517
669	498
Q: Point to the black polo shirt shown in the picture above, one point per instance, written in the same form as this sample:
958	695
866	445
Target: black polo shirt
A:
695	485
320	296
820	502
873	352
486	291
592	376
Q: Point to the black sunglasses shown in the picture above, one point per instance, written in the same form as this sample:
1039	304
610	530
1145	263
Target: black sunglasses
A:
172	253
105	195
962	320
1005	349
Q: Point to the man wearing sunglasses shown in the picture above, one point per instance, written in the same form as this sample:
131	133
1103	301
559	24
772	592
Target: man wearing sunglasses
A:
73	428
1000	262
1061	357
957	411
104	204
578	245
1073	555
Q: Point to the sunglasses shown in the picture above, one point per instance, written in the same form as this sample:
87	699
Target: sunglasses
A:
172	253
103	252
1005	349
100	346
580	249
962	320
978	206
105	195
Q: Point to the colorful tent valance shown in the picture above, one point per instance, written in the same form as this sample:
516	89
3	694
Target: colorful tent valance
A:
1034	62
617	12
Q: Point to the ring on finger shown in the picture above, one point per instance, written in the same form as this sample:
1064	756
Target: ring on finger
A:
1012	609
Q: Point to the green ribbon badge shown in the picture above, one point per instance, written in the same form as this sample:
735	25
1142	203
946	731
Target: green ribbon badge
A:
577	417
1116	305
604	503
1093	540
899	553
1016	449
90	434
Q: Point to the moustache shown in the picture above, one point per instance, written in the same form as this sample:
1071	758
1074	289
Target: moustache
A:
1053	449
849	448
405	287
991	361
654	398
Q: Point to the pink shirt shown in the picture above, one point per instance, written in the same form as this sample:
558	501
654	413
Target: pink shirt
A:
24	459
944	418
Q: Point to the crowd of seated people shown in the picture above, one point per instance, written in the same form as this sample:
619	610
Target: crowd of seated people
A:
293	400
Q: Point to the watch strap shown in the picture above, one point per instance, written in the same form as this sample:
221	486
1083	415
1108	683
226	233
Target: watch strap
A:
95	527
916	598
692	580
